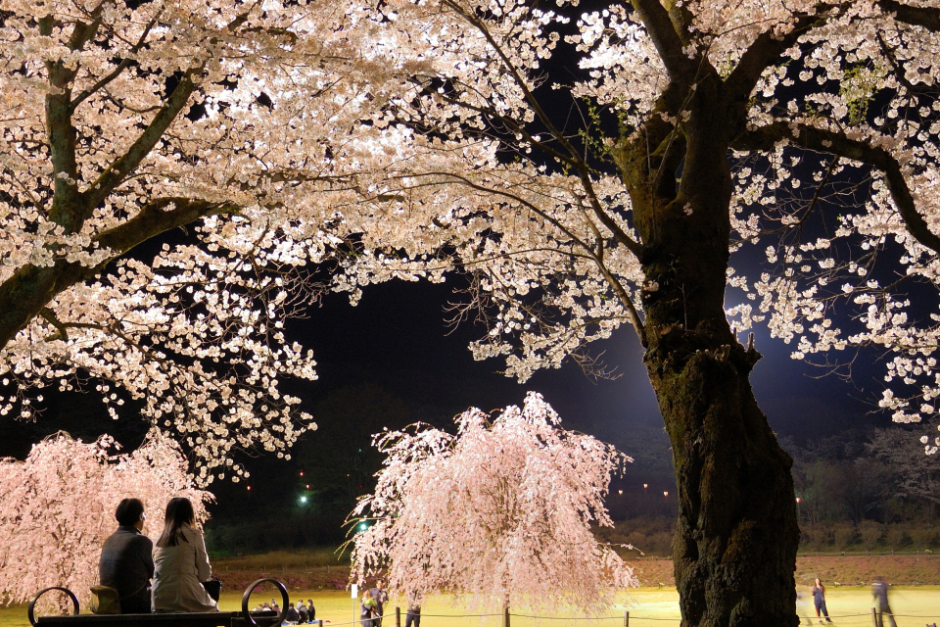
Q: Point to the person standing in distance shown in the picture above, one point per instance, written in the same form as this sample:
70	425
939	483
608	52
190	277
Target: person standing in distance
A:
413	617
819	600
380	596
367	610
880	591
126	562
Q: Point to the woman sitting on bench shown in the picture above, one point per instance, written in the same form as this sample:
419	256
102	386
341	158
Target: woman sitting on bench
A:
181	563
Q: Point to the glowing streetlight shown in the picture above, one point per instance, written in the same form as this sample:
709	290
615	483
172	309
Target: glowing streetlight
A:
646	485
303	499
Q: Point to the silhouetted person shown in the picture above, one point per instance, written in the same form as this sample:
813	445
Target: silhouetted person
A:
368	610
126	562
880	591
293	616
380	596
413	616
819	600
311	611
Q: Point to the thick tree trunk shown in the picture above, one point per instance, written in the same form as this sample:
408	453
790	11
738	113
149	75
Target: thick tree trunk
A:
735	547
737	535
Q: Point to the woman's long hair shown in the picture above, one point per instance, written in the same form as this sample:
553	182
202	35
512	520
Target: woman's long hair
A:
179	512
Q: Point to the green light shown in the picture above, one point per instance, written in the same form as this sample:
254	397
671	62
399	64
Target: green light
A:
363	527
303	499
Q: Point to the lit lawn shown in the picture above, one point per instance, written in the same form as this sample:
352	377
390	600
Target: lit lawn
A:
648	607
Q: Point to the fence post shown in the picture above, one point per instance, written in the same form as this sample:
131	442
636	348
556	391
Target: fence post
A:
320	622
626	619
397	616
874	617
506	616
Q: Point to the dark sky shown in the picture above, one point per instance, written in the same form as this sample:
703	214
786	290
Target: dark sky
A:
397	338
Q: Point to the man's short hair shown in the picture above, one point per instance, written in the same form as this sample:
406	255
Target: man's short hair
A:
128	512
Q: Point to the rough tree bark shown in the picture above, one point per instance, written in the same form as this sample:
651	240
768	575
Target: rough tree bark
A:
737	535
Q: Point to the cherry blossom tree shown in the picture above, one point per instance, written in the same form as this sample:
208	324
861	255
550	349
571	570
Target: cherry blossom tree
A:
802	132
57	508
499	515
218	133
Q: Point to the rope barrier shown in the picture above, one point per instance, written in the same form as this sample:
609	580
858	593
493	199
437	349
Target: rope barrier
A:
619	617
332	624
461	615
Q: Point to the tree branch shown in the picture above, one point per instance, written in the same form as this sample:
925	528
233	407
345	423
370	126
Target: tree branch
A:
765	138
929	18
155	218
664	36
31	288
766	50
62	332
123	65
124	165
634	315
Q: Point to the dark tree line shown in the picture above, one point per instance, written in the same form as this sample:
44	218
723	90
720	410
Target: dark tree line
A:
866	490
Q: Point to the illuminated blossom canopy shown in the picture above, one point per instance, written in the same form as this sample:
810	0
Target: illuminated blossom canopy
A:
499	515
711	166
219	133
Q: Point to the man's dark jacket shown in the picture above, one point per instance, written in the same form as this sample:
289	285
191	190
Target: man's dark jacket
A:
127	566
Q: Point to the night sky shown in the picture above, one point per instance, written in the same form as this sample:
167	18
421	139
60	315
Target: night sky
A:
397	337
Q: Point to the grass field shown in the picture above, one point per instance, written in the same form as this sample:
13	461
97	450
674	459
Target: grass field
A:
648	607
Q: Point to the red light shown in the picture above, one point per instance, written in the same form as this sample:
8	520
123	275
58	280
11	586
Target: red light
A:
308	486
645	485
798	499
301	473
249	487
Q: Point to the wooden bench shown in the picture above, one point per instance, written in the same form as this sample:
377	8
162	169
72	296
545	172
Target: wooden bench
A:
244	618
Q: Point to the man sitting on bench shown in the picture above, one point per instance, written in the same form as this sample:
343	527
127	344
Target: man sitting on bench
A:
126	562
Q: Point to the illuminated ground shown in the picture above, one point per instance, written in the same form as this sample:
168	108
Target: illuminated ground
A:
648	607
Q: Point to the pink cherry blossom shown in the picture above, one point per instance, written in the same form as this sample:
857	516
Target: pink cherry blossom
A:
498	515
57	508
